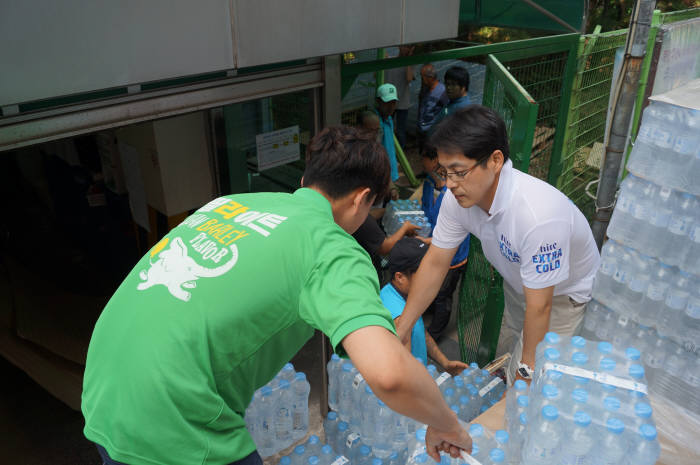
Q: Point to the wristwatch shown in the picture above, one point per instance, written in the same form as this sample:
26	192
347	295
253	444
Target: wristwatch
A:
524	370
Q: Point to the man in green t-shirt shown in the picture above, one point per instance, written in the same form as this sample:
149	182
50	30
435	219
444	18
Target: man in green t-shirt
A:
225	299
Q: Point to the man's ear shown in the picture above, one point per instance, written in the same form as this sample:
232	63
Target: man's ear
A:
302	181
362	197
498	160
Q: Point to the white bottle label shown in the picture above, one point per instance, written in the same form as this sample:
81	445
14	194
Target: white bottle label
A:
683	145
625	203
352	437
663	138
342	460
486	389
656	291
676	300
695	234
640	211
679	225
660	218
442	378
469	460
357	381
620	276
622	321
596	376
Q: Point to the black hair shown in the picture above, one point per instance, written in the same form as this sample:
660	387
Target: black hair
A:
474	131
458	74
341	159
429	152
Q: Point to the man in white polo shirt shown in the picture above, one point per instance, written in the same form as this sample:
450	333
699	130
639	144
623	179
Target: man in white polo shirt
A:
530	232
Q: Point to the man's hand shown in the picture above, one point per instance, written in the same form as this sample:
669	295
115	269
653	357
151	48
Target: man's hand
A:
450	442
409	229
406	344
455	367
403	331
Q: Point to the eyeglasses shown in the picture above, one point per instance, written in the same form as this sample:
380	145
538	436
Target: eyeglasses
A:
459	175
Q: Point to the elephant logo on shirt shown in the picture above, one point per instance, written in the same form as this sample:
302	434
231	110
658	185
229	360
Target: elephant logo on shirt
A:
178	271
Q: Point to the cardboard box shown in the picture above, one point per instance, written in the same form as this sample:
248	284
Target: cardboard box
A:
175	161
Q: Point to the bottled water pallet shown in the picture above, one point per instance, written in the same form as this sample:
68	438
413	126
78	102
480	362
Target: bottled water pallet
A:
278	414
399	211
359	419
587	403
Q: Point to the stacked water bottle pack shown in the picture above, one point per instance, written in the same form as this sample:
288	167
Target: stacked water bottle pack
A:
278	414
314	452
488	448
360	419
399	211
587	404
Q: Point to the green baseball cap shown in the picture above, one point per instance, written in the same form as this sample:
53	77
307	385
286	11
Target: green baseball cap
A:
387	92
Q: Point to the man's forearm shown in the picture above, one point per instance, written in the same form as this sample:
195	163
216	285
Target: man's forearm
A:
535	327
434	351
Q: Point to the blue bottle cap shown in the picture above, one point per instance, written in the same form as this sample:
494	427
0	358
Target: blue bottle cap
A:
607	364
648	432
497	455
394	455
368	390
642	410
636	371
420	434
476	430
485	374
335	357
550	412
582	419
501	436
326	450
283	384
604	347
478	380
475	450
611	403
432	368
554	375
313	440
550	391
300	376
420	458
342	426
299	450
459	381
266	390
288	366
463	400
523	418
578	342
632	354
474	366
347	367
523	400
615	425
332	416
380	402
449	392
579	395
364	450
313	460
552	338
472	389
551	354
520	385
285	460
455	409
579	358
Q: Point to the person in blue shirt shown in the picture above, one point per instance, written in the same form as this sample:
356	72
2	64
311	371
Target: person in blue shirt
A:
404	259
433	191
432	100
457	87
386	101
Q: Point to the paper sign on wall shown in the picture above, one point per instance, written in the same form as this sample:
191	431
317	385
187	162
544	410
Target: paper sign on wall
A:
277	148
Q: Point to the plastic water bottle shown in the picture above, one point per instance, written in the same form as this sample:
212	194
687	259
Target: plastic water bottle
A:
330	427
341	436
300	406
496	455
644	153
476	431
677	242
313	446
691	262
352	446
357	393
621	279
674	304
645	450
334	366
519	388
655	295
690	337
677	171
638	284
518	437
580	442
399	432
287	372
432	371
383	429
327	455
345	392
650	238
542	445
283	416
612	446
622	222
266	411
363	456
285	460
367	423
299	456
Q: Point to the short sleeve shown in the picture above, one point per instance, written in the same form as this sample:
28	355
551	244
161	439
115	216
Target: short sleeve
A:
341	295
546	251
449	232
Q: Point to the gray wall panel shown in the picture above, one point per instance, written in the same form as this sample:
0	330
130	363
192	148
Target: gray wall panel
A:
430	20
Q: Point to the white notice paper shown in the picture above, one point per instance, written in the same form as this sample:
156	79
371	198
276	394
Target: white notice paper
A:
277	148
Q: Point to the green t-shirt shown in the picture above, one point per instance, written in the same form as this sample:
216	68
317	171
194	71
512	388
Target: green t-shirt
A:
212	313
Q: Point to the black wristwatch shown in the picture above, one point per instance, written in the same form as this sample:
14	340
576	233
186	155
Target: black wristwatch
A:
524	370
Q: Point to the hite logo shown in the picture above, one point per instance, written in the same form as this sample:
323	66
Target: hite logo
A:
548	259
506	251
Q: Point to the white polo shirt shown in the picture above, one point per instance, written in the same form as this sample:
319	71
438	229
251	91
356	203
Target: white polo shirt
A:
533	235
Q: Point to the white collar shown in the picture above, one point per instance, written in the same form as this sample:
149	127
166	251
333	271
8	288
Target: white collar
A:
504	190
